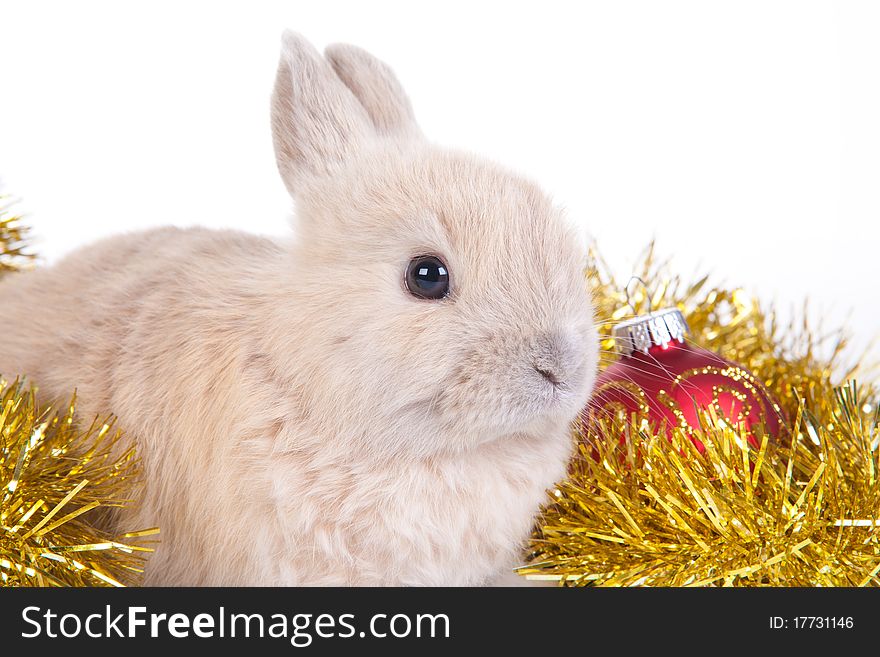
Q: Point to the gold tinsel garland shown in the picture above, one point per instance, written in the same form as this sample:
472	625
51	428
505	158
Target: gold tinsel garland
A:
14	254
53	476
56	481
655	512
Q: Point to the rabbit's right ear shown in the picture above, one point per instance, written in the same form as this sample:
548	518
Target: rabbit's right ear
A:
377	88
316	120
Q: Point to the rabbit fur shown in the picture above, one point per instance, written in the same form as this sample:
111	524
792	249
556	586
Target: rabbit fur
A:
301	418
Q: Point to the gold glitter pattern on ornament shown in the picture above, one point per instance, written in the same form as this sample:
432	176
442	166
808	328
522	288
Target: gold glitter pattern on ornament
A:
745	408
670	403
738	376
616	408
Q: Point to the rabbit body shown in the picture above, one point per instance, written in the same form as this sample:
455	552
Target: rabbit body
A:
301	418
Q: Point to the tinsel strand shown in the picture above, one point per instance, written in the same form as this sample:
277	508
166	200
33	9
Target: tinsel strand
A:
14	249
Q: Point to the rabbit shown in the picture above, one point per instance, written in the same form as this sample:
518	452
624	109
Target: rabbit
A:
382	399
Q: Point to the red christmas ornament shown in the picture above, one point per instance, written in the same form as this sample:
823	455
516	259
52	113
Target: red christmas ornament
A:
672	381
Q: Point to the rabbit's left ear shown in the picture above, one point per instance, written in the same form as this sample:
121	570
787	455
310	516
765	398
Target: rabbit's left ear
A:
374	84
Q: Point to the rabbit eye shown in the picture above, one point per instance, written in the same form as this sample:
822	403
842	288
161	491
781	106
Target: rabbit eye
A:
427	277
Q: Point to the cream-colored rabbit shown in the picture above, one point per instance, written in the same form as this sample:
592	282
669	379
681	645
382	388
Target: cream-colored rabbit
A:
385	400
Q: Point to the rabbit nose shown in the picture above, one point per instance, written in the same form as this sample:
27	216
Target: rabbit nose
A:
554	357
550	375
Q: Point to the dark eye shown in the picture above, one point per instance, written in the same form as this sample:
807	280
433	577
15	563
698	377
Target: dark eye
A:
427	277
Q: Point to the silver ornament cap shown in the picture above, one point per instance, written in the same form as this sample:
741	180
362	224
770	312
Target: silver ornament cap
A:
656	329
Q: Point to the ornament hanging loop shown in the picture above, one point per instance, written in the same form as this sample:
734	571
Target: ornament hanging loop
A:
647	294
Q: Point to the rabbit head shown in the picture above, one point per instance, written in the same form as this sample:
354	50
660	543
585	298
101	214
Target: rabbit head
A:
446	296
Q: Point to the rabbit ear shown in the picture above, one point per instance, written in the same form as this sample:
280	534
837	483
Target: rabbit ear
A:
316	120
377	88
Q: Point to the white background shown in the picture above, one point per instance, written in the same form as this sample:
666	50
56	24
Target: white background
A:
744	136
